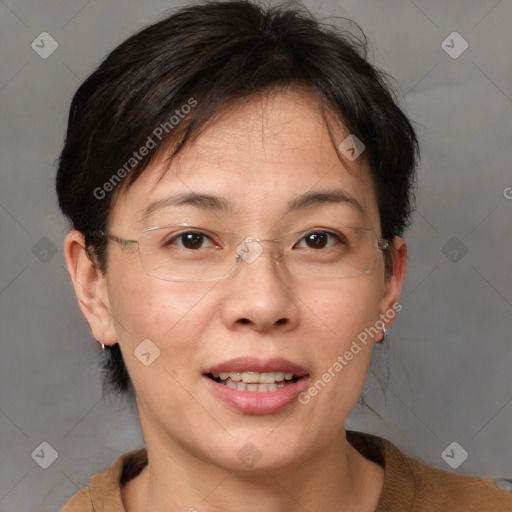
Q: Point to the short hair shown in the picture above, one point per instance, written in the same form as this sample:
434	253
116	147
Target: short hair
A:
205	56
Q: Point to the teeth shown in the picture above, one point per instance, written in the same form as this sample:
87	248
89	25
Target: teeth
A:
255	377
230	384
280	376
267	378
255	388
251	377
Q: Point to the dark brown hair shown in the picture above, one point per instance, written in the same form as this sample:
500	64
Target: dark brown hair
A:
206	56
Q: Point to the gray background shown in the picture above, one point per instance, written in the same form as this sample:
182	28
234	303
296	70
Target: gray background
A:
450	352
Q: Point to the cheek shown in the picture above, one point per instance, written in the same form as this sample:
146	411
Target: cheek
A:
175	321
343	311
339	312
343	316
172	315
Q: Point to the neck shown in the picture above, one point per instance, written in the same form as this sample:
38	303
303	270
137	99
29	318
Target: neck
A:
337	478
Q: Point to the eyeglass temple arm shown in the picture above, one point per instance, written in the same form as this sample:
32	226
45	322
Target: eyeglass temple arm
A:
121	241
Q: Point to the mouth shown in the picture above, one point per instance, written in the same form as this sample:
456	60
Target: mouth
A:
254	386
255	382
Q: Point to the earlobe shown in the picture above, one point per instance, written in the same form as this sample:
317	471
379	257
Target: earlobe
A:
389	303
90	288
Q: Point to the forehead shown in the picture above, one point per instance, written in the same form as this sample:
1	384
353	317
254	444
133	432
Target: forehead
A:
261	155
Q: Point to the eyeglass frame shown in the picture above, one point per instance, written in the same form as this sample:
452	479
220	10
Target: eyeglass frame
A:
382	245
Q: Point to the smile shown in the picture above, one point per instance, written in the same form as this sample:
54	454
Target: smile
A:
254	386
256	382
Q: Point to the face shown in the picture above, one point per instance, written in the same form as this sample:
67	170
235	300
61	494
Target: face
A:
258	156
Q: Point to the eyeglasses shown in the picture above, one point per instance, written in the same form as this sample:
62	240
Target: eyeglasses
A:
187	253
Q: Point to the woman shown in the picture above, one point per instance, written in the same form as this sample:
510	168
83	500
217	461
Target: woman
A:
238	179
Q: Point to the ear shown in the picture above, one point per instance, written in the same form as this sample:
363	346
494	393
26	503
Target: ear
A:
389	303
90	288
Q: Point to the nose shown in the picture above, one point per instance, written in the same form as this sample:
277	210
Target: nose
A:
259	296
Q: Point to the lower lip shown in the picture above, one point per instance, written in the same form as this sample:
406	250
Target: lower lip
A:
254	402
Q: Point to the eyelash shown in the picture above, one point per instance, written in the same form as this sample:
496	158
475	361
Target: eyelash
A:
178	236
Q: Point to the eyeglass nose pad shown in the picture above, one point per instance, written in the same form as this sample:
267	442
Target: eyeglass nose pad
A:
249	251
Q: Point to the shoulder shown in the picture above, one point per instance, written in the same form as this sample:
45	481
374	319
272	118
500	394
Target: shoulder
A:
411	485
104	490
458	492
79	502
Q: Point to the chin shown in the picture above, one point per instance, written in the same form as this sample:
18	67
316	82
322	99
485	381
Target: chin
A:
252	451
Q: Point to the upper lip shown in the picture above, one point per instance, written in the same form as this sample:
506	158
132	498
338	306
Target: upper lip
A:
253	364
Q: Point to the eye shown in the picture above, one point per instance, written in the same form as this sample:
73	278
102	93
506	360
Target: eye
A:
189	240
320	239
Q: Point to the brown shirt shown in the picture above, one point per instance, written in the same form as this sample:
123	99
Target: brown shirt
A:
409	485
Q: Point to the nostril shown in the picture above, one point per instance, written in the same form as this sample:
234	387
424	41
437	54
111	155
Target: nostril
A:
246	321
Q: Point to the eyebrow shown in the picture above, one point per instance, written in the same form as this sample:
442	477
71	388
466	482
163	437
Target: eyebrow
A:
220	204
312	199
203	201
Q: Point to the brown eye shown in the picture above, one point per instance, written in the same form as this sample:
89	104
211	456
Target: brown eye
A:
192	240
316	240
188	240
320	239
